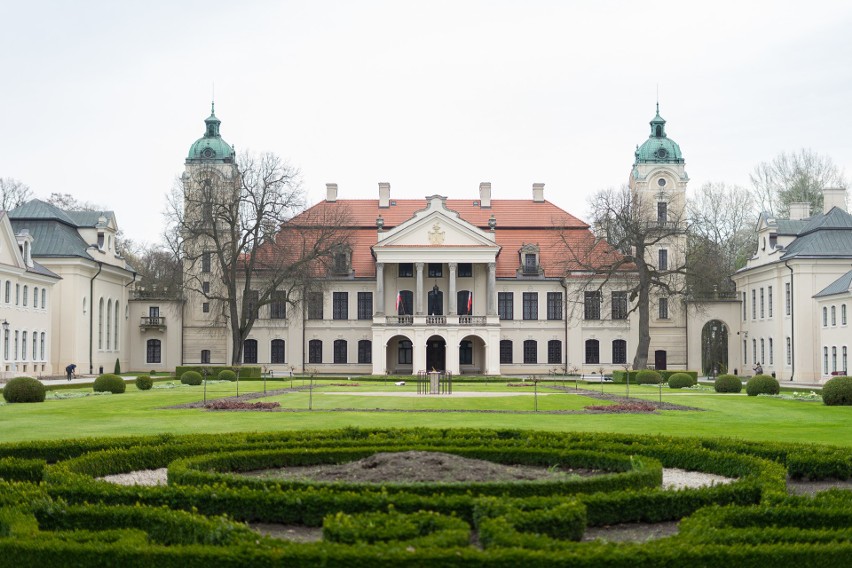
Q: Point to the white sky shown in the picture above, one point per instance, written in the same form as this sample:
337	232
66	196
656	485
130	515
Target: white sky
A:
102	99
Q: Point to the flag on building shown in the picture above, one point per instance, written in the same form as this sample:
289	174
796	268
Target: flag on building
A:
398	300
470	303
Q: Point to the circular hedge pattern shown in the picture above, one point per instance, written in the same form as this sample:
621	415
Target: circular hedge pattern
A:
24	389
837	392
648	377
109	383
681	381
728	383
227	375
191	378
144	382
762	384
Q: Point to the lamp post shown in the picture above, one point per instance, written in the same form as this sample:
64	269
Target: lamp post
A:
5	326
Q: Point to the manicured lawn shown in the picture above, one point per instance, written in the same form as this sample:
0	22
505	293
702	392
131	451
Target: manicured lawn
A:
143	412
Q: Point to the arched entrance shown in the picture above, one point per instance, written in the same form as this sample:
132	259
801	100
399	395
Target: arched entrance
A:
714	348
399	356
436	354
472	355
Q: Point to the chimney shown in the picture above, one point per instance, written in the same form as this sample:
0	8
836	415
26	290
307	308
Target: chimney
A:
485	195
800	210
538	193
331	192
833	197
384	194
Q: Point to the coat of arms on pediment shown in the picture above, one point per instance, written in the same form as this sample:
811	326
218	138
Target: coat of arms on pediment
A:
436	235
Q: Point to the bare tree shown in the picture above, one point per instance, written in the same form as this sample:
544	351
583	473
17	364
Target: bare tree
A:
159	272
68	202
13	193
247	226
721	237
627	233
797	177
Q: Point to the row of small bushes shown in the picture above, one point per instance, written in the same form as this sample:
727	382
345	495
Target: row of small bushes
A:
664	375
246	372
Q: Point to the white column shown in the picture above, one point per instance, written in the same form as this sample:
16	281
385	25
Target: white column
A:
418	294
380	288
451	301
418	358
492	288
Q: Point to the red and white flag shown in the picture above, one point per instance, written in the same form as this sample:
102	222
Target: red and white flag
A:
470	303
398	300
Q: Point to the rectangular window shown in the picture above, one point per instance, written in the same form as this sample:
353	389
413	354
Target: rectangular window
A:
205	356
278	305
833	359
405	352
762	305
250	351
662	212
465	270
762	351
833	311
9	292
843	314
824	317
6	345
436	270
769	301
505	352
592	305
466	353
506	305
619	352
530	305
554	352
277	351
825	360
745	308
340	264
17	294
315	305
315	351
406	269
530	352
787	300
205	307
619	305
365	305
754	358
153	353
205	262
365	352
593	352
252	300
554	305
664	308
205	287
663	260
340	305
845	367
754	304
771	354
530	263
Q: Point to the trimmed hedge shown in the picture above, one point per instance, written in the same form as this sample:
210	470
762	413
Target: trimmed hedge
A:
24	389
246	372
191	378
144	382
837	392
648	377
109	383
762	384
680	381
227	375
728	383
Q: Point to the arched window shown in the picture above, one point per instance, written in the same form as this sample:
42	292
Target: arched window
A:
115	327
101	324
35	296
530	352
365	351
505	352
314	351
26	289
35	346
340	351
843	314
43	299
619	352
824	316
109	323
43	337
250	351
593	352
23	346
152	351
833	314
554	352
8	291
277	351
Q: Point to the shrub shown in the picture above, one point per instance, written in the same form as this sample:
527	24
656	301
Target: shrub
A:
680	380
762	384
191	378
728	383
837	392
24	389
144	382
117	367
648	377
109	383
227	375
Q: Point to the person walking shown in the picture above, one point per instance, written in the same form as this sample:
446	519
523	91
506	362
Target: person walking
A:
71	371
758	369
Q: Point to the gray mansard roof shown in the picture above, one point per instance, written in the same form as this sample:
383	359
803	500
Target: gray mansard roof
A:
827	235
839	286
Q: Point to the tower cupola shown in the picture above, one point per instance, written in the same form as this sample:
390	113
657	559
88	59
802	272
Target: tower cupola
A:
658	148
211	147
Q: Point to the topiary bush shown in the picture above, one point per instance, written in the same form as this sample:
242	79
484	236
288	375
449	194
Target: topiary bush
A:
762	384
117	366
837	392
109	383
227	375
144	382
24	389
728	383
680	381
648	377
191	378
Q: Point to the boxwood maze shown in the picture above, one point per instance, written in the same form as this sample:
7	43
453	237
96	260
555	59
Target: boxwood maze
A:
54	510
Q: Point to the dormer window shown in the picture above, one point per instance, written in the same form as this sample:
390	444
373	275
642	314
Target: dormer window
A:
341	261
101	236
530	261
773	240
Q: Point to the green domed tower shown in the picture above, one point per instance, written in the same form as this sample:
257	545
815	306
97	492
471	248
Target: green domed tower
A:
658	148
210	148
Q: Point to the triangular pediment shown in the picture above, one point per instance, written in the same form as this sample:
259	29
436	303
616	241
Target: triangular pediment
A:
436	226
10	253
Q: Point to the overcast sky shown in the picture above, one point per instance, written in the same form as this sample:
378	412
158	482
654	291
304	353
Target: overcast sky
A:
102	99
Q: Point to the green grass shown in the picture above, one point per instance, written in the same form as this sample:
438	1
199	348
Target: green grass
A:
143	412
